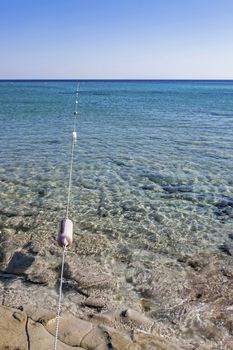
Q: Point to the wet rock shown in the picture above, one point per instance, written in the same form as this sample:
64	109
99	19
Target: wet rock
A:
5	257
108	318
9	214
54	251
102	212
224	213
67	272
96	303
93	244
7	235
119	340
130	206
225	248
148	187
117	318
223	201
136	318
147	341
33	247
182	258
227	271
88	184
93	279
159	179
123	253
19	263
119	162
212	285
195	264
20	223
41	278
42	192
225	318
147	304
178	188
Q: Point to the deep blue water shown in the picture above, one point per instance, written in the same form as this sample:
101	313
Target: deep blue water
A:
153	162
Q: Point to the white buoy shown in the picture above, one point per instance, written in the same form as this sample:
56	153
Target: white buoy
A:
74	136
65	233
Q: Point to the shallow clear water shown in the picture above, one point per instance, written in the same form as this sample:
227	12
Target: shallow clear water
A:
153	163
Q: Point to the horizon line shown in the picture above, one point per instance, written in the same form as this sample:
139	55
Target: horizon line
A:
116	79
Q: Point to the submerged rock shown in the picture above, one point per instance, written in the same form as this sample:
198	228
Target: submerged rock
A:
93	302
227	249
33	247
41	278
178	188
19	263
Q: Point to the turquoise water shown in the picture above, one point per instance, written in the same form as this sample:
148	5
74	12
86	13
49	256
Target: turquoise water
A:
153	162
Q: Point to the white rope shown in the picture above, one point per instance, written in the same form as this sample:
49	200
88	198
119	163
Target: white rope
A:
67	212
72	153
70	179
59	298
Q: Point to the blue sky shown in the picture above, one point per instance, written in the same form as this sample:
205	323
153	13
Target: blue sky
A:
94	39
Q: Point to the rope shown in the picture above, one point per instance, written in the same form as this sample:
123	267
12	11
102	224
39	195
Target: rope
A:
70	179
59	298
67	213
72	153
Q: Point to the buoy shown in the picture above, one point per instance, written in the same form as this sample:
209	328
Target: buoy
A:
65	233
74	136
75	113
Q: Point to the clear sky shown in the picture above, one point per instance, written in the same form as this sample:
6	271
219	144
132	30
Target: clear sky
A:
92	39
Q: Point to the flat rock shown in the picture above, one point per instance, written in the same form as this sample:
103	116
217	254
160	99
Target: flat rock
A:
119	340
72	330
41	339
96	339
148	341
38	313
12	329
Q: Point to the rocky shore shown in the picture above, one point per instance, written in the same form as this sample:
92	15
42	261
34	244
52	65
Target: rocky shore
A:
34	328
111	299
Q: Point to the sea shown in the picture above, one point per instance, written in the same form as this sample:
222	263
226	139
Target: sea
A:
151	202
153	161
